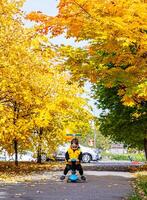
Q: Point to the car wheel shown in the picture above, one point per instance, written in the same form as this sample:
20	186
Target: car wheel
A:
86	158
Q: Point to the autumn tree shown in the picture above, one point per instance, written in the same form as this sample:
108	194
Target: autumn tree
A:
115	55
13	69
61	107
121	123
35	95
116	31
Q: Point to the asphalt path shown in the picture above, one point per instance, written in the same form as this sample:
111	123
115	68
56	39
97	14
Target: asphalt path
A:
99	186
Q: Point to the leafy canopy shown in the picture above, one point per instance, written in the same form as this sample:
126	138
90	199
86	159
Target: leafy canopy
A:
116	53
34	92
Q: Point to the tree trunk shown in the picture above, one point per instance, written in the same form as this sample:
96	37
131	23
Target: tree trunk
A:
16	151
145	147
16	111
39	152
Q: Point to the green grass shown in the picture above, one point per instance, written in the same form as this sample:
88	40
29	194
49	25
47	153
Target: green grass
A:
135	157
142	183
135	197
140	187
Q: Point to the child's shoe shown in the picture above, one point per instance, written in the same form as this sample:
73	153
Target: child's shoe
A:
83	178
62	177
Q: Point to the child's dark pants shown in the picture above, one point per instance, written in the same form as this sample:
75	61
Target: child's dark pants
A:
74	167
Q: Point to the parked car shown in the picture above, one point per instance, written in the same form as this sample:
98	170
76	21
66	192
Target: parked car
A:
89	154
2	157
26	156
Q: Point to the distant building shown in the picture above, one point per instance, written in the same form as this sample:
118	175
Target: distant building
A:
117	149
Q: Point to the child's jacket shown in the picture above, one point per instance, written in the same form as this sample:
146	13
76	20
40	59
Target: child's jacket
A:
73	154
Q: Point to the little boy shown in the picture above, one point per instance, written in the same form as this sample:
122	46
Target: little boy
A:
73	152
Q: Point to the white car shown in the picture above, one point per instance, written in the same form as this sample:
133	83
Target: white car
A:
89	154
2	157
26	156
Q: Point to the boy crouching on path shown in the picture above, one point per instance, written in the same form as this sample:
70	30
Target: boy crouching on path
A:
73	152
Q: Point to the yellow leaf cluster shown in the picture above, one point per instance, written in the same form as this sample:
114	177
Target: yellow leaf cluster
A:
116	32
34	94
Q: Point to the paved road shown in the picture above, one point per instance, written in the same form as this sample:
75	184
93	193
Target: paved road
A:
99	186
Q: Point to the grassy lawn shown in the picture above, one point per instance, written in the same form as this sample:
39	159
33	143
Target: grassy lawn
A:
134	157
140	187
